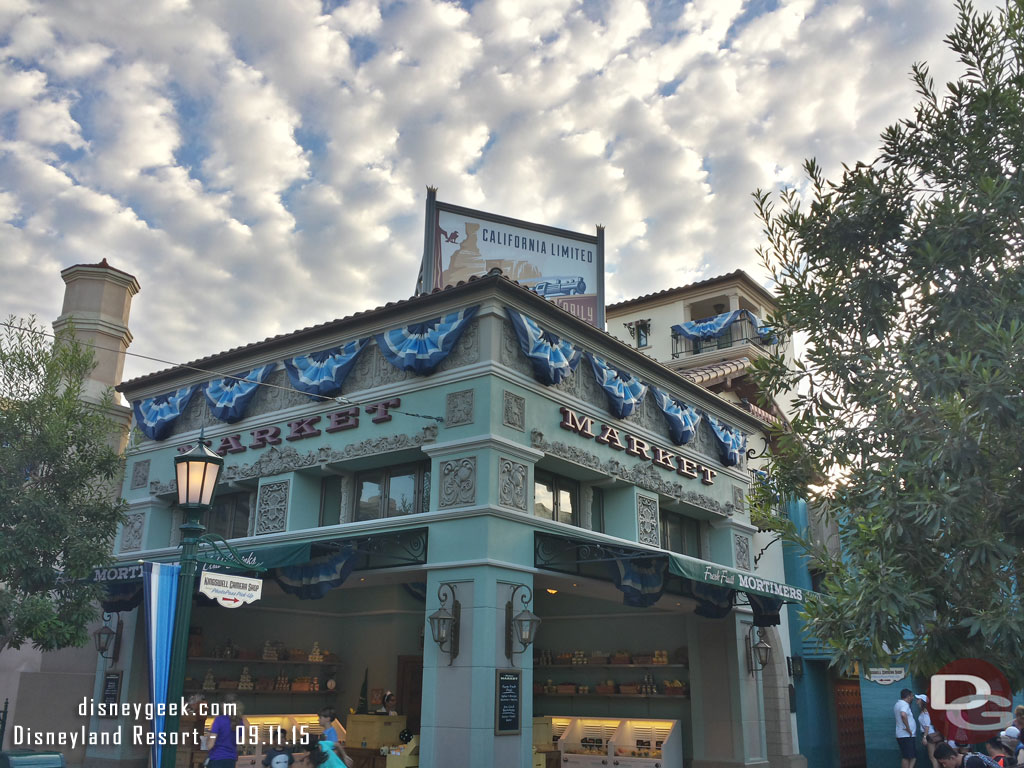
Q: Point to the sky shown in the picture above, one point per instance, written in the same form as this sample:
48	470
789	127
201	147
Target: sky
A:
261	165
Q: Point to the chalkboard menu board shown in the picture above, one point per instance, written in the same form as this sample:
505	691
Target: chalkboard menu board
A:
508	697
111	688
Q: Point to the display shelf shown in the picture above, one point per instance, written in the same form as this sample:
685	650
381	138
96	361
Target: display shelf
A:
611	666
261	693
615	695
246	662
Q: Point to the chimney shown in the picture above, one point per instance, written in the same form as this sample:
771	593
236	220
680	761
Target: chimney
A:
97	300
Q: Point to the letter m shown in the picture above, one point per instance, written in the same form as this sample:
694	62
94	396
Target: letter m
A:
572	422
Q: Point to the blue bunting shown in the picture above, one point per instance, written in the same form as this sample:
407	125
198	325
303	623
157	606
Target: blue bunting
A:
420	348
322	374
317	577
625	392
641	580
552	358
715	326
228	398
682	420
156	415
732	442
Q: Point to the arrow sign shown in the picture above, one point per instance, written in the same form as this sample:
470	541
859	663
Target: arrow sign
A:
230	591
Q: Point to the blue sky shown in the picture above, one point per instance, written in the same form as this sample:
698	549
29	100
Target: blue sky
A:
264	162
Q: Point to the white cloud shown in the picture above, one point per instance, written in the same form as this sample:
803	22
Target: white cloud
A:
264	165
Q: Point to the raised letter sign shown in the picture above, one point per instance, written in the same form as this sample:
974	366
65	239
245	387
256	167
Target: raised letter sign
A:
574	423
265	436
343	420
381	409
303	428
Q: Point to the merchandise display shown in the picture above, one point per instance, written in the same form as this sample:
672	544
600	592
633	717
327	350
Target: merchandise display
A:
629	743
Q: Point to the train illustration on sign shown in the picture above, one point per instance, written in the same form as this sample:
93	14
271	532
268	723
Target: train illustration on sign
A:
560	286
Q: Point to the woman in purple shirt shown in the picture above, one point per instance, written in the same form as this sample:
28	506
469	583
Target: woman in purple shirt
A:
224	752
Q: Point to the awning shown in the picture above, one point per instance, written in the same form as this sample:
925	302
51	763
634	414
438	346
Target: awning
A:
706	572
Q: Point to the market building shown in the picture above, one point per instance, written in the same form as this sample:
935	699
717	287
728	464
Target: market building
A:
475	444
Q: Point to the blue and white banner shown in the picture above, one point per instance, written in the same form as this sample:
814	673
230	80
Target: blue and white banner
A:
421	347
160	587
682	420
322	374
715	326
156	415
641	579
316	578
229	397
732	442
552	358
625	391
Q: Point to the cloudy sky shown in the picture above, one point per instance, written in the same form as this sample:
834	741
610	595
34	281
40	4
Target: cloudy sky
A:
262	164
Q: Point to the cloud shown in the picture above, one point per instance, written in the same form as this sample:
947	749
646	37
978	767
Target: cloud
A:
261	167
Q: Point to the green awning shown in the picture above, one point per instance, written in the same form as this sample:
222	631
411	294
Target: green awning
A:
722	576
269	556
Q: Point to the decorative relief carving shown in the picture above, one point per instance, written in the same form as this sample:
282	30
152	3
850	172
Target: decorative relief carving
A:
513	412
274	461
176	519
739	499
742	551
131	532
347	484
140	474
645	475
647	521
458	408
511	354
467	349
195	415
373	370
458	482
512	484
276	397
272	507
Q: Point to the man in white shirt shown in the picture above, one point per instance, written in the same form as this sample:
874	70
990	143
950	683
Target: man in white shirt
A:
906	727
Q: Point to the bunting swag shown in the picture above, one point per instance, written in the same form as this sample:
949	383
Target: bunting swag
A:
714	327
552	358
421	347
731	442
156	415
160	585
317	577
625	392
321	374
228	398
682	420
713	601
766	610
641	580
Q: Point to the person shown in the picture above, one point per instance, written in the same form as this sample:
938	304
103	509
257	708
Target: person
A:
324	755
221	738
1011	738
998	752
906	727
929	736
387	706
951	758
327	717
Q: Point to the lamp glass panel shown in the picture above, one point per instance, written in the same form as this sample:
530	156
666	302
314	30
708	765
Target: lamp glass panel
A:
181	471
103	637
440	624
210	473
764	653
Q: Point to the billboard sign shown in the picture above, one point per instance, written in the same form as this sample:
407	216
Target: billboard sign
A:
564	267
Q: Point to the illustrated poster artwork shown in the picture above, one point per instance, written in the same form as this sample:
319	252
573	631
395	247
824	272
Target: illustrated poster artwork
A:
561	269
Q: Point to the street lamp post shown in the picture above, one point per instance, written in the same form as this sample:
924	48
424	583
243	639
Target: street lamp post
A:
197	472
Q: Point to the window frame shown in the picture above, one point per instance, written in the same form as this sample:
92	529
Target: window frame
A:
232	498
557	483
421	489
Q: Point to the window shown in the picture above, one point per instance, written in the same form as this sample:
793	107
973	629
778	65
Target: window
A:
330	500
643	332
392	491
229	515
597	510
555	498
680	534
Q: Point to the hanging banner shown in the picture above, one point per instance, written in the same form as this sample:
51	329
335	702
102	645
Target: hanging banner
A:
564	267
229	590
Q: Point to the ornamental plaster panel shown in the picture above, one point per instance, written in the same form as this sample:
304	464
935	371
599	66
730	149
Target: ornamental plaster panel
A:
458	408
458	483
513	411
140	474
467	349
647	521
511	354
512	484
272	507
741	550
131	532
276	397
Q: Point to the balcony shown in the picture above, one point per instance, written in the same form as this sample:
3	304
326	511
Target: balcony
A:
737	340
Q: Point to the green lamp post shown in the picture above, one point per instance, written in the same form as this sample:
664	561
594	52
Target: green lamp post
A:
197	472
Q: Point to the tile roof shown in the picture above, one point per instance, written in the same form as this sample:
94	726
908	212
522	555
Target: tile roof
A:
734	275
710	375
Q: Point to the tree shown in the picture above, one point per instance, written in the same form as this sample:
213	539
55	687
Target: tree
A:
905	278
58	471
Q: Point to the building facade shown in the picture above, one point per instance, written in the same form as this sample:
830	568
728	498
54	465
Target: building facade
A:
475	444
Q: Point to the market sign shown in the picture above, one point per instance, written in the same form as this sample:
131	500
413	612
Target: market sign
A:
564	267
229	590
722	576
886	675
